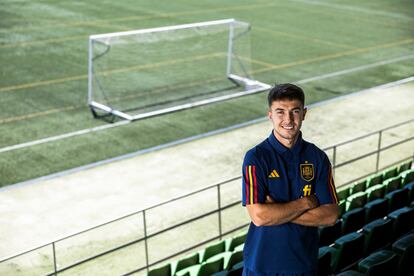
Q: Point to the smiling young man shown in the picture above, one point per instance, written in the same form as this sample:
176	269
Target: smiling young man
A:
288	191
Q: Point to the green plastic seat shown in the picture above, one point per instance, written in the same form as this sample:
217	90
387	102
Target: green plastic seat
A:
397	199
203	269
410	188
408	177
212	250
404	166
403	221
404	247
235	258
237	240
342	193
187	261
378	234
392	184
353	220
383	262
209	268
349	250
324	261
164	270
374	192
376	209
341	207
356	200
328	234
374	180
358	186
390	172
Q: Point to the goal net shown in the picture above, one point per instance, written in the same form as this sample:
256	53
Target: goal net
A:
148	72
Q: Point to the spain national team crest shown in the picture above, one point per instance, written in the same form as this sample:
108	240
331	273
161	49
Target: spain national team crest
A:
307	171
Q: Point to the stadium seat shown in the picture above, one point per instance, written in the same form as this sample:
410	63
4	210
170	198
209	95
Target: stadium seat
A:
212	250
378	234
403	221
376	209
235	258
374	180
397	199
392	184
374	192
390	172
237	270
404	247
383	262
328	234
341	207
230	258
164	270
404	166
324	261
350	273
203	269
209	268
187	261
358	186
235	241
353	220
356	200
349	250
342	193
410	188
408	177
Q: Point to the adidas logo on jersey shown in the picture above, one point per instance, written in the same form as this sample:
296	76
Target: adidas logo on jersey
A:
273	174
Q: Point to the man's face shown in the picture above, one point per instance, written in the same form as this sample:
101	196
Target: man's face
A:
287	116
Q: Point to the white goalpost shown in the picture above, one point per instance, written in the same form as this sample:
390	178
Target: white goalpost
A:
148	72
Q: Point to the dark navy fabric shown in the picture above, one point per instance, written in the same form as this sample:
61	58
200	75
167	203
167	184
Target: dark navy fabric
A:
280	172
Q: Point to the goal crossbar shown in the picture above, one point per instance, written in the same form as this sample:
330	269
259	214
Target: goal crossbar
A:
244	80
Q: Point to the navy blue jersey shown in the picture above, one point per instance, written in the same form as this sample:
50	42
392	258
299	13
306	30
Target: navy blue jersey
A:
286	175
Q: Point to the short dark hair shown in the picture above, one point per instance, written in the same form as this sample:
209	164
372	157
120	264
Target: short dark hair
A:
286	91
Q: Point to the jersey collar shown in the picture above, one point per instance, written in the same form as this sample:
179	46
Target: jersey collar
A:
281	148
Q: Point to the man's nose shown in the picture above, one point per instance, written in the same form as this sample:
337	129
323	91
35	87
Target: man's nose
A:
289	116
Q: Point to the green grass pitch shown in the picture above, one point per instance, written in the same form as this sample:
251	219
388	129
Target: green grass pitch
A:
43	72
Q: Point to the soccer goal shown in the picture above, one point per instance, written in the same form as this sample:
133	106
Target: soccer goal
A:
148	72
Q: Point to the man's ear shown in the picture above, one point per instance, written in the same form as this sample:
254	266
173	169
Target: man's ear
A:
304	113
269	114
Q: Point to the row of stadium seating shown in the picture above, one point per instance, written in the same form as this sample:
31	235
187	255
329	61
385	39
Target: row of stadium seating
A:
224	255
392	260
349	249
365	215
375	186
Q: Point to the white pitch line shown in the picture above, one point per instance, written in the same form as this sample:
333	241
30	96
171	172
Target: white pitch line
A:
355	9
195	137
356	69
95	129
62	136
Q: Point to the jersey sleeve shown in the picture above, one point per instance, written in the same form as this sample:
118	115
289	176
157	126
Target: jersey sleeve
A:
254	180
325	185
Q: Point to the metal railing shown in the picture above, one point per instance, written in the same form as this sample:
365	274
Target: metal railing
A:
217	211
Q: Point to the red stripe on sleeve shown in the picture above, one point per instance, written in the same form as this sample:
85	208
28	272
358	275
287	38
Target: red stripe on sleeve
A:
247	185
255	184
332	186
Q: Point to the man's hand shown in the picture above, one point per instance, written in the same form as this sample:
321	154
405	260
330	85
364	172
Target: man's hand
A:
275	213
311	201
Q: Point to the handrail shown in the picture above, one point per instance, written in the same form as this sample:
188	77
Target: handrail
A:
219	209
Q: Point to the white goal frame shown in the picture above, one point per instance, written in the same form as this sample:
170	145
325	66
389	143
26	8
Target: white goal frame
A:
251	86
